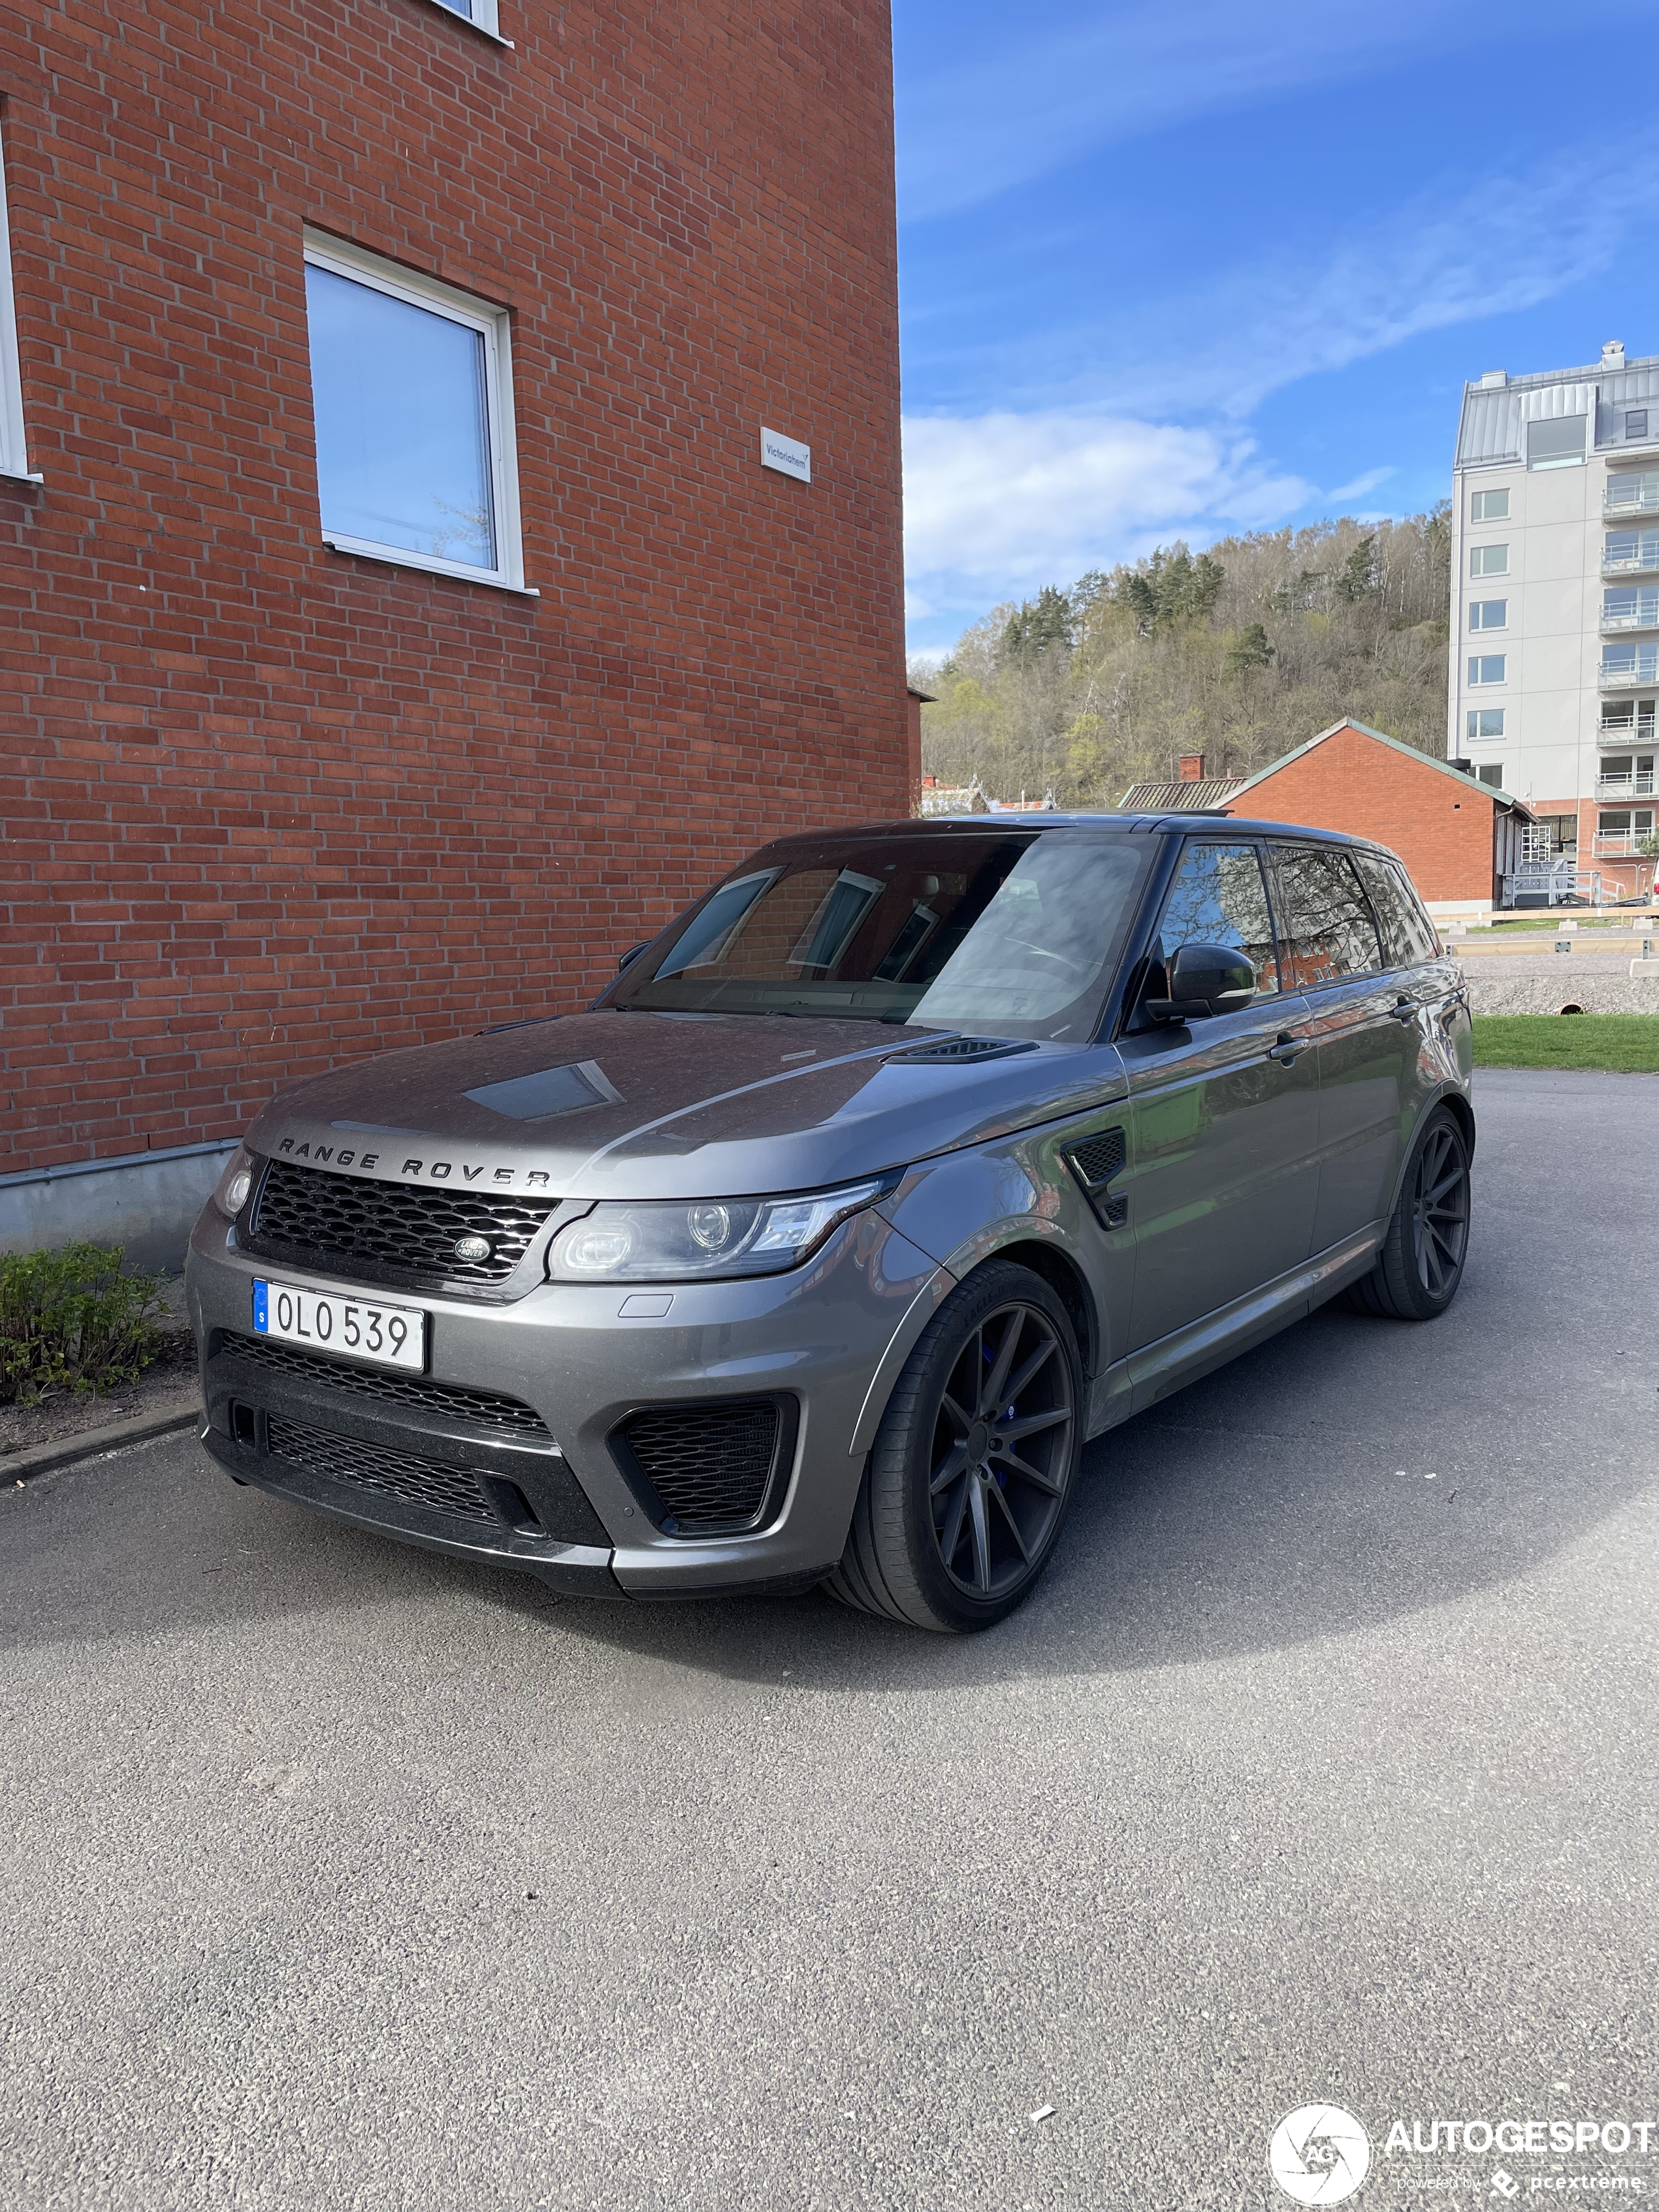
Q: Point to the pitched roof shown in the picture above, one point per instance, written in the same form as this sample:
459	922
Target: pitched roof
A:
1179	798
1424	760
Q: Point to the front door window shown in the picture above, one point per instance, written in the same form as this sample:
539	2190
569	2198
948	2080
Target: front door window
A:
1219	898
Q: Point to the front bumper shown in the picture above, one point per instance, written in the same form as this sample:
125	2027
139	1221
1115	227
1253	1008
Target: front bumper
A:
553	1494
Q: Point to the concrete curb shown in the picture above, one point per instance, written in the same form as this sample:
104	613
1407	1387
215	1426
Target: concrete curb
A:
40	1459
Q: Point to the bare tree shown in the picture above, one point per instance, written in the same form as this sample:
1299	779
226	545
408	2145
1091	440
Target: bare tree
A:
1240	652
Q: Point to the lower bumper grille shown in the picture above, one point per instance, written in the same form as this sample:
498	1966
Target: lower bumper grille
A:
709	1469
484	1409
374	1467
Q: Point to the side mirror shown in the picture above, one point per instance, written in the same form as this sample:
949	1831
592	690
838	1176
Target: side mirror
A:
632	955
1205	980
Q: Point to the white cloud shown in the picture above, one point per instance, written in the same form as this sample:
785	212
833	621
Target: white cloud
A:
1360	485
967	133
1433	264
1008	502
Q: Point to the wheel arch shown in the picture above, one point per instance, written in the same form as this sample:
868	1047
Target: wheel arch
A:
1460	1107
1048	1260
1045	1257
1453	1099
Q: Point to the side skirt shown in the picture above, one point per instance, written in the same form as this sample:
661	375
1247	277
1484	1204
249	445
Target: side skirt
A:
1130	1385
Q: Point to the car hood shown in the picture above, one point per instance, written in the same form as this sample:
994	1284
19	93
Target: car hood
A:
647	1105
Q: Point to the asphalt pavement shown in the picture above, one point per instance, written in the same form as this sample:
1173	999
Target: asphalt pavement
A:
1320	1770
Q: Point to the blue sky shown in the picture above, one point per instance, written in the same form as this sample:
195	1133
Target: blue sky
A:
1179	270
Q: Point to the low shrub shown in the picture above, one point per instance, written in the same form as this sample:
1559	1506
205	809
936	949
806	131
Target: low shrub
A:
72	1321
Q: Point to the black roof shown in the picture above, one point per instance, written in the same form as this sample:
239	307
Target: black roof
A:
1108	824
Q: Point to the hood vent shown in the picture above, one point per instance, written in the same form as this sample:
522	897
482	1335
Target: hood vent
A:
967	1048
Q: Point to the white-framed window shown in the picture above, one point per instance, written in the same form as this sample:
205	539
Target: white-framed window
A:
481	12
1487	667
1636	421
1491	772
1489	614
14	448
1489	560
412	387
1488	506
1557	442
1485	721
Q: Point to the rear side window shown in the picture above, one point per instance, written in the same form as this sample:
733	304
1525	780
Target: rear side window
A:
1219	898
1408	937
1326	926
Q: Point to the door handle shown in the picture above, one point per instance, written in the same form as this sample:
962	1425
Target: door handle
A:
1404	1010
1286	1050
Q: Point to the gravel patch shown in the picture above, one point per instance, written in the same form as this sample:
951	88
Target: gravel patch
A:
1599	982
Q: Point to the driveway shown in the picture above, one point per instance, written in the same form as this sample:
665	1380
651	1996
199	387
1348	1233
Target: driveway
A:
1321	1768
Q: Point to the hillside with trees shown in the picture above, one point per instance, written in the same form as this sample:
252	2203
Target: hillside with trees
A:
1239	653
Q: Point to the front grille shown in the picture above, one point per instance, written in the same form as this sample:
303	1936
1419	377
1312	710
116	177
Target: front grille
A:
486	1409
711	1466
390	1473
343	1223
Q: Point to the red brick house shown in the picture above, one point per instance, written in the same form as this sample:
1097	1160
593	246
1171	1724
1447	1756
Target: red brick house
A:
449	480
1457	836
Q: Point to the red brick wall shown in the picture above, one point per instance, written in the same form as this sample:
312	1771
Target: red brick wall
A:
267	806
1442	829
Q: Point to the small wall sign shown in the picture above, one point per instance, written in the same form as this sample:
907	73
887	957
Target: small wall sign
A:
787	455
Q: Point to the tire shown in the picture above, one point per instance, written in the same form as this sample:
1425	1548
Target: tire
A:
953	1524
1421	1262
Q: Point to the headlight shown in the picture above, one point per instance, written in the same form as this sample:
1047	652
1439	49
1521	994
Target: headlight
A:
234	1183
678	1242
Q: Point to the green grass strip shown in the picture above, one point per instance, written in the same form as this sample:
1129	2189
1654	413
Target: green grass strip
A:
1622	1044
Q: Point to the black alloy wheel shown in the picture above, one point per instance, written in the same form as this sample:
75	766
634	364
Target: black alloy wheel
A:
1420	1263
1440	1211
1002	1438
975	1462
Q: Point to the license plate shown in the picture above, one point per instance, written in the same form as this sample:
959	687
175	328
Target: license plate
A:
349	1327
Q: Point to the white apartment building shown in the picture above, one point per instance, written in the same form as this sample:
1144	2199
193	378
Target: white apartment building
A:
1555	603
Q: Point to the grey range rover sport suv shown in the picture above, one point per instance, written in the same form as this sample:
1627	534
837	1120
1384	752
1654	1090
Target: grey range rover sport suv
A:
904	1163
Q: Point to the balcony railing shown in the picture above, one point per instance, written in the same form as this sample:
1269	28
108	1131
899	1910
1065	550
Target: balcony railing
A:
1537	886
1630	552
1638	785
1632	494
1646	615
1629	664
1621	844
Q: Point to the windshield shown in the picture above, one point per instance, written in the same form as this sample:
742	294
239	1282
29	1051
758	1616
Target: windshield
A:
1011	932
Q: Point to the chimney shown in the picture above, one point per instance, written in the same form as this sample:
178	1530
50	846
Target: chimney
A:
1612	354
1190	767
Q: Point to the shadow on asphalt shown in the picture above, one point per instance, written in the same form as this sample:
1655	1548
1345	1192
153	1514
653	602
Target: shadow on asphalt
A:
1286	1497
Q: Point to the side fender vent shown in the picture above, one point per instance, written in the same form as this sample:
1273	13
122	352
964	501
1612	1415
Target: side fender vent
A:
1095	1162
